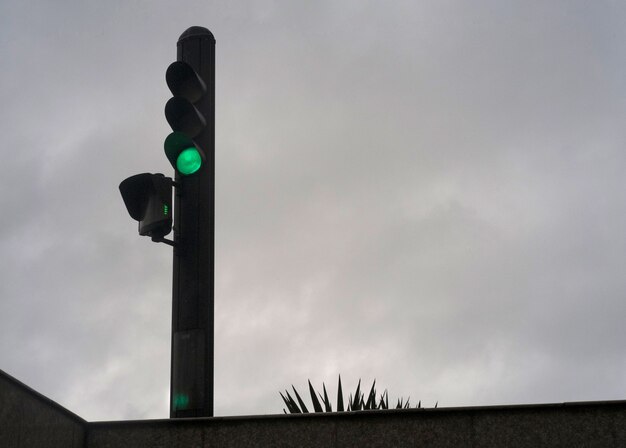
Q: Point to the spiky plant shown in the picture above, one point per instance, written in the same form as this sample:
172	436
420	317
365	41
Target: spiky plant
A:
356	402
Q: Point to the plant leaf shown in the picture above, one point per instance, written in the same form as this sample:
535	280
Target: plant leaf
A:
383	404
291	404
317	407
326	400
371	398
384	400
356	404
294	404
339	397
302	405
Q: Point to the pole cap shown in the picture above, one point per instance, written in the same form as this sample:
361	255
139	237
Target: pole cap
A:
196	32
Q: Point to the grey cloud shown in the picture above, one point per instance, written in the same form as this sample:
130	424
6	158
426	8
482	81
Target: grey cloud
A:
430	195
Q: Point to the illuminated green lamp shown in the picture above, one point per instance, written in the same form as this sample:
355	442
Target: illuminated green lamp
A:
183	154
188	161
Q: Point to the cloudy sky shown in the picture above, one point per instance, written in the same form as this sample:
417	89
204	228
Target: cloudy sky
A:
431	194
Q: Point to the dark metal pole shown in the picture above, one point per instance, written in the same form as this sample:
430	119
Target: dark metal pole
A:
191	392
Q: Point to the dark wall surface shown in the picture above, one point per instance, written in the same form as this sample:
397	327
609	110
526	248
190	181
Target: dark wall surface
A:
28	419
594	424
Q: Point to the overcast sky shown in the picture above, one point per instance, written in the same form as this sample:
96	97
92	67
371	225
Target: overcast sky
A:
431	194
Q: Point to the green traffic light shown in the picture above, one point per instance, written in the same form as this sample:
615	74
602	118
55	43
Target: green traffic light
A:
188	161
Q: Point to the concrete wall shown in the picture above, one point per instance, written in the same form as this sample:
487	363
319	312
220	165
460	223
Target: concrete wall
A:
28	419
594	424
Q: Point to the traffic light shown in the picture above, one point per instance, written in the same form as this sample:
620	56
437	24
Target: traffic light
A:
187	114
148	199
190	149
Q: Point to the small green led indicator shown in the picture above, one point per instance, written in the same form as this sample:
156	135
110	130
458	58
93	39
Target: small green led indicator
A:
166	209
181	401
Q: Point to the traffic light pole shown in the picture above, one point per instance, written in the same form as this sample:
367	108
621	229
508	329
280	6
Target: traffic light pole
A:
191	392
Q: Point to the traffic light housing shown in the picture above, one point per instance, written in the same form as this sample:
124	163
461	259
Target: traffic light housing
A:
148	199
187	113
